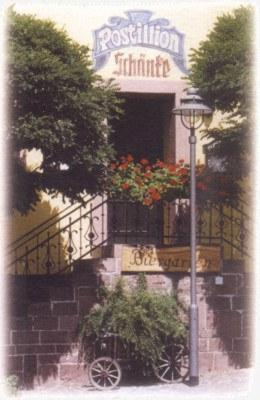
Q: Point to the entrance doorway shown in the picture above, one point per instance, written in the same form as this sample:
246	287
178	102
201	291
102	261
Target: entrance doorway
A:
142	132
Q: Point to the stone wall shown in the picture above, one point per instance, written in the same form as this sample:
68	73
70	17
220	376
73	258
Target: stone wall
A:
41	333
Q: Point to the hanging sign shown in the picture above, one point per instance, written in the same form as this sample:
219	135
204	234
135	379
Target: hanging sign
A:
170	259
138	29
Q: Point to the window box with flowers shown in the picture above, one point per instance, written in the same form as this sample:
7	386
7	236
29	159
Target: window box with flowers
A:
147	183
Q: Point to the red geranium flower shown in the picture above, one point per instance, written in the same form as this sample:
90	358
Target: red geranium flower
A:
171	167
156	195
173	182
159	164
129	158
145	182
183	171
123	166
125	185
144	161
147	201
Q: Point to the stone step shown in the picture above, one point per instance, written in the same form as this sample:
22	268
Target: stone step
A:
98	265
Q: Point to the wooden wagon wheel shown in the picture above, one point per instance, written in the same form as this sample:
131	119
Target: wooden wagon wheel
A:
104	373
173	366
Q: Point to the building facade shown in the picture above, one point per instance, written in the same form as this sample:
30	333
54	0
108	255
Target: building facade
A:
146	51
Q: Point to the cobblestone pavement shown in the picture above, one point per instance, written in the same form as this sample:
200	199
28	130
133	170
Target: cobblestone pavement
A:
236	384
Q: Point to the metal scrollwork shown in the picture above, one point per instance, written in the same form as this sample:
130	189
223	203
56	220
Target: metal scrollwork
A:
48	263
91	234
70	247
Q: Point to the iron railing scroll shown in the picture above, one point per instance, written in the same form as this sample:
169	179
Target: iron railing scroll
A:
81	231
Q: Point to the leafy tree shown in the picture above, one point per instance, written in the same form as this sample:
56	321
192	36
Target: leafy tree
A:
60	106
222	68
222	65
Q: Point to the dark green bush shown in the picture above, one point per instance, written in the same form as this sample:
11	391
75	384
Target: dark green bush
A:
143	319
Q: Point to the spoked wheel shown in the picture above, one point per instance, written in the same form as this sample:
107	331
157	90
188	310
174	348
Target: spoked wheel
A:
173	366
104	373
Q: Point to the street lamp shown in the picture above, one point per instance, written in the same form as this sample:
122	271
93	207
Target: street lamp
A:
193	112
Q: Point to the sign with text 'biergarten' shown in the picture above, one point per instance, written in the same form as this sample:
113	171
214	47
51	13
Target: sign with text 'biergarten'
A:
169	259
139	29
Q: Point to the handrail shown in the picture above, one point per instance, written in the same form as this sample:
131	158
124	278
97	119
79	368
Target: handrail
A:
237	209
58	232
68	266
81	229
55	218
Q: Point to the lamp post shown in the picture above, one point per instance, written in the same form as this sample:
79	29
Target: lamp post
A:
192	112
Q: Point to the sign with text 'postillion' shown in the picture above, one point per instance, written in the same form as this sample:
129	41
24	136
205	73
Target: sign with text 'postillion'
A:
170	259
139	29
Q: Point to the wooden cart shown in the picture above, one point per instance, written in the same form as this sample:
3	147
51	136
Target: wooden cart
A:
111	356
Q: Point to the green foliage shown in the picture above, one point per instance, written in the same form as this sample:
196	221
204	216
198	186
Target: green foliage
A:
222	68
222	65
58	105
142	319
233	144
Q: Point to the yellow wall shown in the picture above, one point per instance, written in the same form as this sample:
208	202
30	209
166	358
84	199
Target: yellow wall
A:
80	19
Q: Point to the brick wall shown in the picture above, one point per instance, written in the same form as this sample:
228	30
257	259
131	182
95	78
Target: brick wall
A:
41	337
225	323
41	333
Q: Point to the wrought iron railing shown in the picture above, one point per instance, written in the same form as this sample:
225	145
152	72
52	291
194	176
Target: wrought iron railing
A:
57	243
81	231
168	223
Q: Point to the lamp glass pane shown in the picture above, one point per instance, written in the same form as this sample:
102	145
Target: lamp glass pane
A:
191	118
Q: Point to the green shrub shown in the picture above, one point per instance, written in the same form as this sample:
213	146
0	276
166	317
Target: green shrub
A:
143	319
